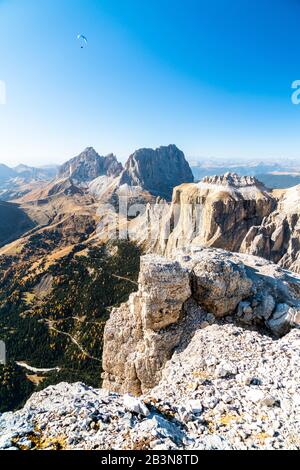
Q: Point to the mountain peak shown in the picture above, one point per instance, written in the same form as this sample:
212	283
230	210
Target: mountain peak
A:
158	171
89	151
88	165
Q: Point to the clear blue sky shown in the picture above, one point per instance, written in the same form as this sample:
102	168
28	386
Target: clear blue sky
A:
213	77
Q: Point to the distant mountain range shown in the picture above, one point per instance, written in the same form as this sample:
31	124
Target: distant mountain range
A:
273	175
27	172
6	172
17	181
158	177
155	171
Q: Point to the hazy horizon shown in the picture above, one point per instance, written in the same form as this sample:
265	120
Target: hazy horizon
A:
213	78
193	161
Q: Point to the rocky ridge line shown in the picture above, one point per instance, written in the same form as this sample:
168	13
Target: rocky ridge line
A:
232	179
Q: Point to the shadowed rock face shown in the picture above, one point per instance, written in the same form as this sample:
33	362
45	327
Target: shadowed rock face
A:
175	297
157	171
278	237
89	165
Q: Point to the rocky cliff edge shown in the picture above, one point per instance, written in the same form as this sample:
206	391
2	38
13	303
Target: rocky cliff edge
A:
177	297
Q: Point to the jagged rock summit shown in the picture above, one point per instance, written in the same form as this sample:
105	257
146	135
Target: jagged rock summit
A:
89	165
147	172
232	182
157	171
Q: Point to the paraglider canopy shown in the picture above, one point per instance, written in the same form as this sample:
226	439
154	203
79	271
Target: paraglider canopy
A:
82	39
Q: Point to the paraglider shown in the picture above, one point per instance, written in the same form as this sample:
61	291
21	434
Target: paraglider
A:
83	40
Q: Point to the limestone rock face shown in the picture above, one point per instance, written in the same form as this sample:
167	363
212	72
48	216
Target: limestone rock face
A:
141	334
89	165
151	229
217	212
177	297
219	282
157	171
164	286
278	237
256	293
